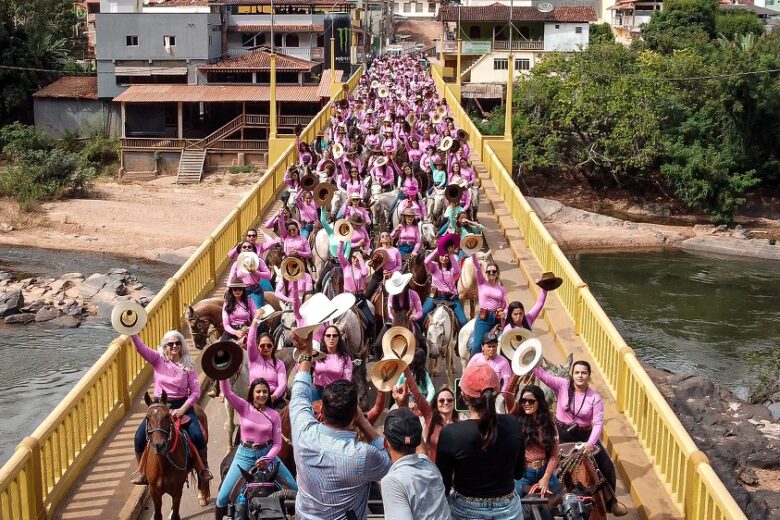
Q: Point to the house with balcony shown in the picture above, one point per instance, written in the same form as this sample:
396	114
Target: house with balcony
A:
628	17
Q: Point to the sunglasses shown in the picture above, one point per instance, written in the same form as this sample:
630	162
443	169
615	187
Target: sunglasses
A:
266	345
527	401
173	344
237	289
492	271
331	335
446	400
246	248
251	236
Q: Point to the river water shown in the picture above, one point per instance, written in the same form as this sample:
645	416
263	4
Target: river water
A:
39	366
689	313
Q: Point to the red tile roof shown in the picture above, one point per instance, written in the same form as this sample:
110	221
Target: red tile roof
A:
326	3
500	13
73	87
178	3
216	93
260	60
278	27
323	90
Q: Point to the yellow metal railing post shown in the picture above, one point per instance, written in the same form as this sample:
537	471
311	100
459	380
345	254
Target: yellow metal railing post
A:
272	102
34	481
122	383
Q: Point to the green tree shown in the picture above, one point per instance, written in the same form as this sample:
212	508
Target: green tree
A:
601	33
732	22
681	24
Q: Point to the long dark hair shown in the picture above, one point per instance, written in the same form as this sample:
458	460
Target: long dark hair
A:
512	307
570	404
436	418
231	301
544	422
418	369
241	244
251	392
485	406
401	301
341	346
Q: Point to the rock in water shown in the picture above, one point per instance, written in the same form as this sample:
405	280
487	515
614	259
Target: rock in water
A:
25	317
47	314
11	302
64	322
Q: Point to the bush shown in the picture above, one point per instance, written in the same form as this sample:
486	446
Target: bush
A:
16	140
100	151
242	169
766	387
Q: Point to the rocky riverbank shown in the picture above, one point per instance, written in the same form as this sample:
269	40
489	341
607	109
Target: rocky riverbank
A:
68	300
741	440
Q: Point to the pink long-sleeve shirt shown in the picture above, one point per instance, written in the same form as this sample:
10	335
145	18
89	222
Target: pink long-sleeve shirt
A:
491	297
169	377
443	279
250	278
354	277
531	315
271	370
332	368
394	262
499	364
408	235
304	285
256	426
241	315
587	409
414	301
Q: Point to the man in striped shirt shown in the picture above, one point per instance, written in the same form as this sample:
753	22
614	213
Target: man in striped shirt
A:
335	470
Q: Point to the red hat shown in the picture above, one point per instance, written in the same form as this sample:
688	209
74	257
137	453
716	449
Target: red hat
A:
477	378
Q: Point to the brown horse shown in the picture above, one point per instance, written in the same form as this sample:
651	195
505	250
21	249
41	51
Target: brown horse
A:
167	463
205	321
579	474
421	278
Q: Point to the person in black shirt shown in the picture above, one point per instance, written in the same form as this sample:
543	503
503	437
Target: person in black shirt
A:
480	458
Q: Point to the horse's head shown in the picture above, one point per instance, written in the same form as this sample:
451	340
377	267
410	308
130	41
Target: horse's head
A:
260	479
428	232
485	257
159	425
559	370
199	327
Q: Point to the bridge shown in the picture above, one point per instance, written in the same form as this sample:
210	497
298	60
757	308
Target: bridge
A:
73	464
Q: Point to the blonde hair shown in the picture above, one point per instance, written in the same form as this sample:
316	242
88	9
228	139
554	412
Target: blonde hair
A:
186	360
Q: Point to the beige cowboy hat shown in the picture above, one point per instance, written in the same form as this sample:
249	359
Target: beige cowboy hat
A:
323	193
249	261
292	269
236	283
408	212
446	144
549	282
268	312
319	308
380	161
512	339
527	356
338	151
343	230
437	118
396	283
471	244
386	372
382	92
399	343
128	318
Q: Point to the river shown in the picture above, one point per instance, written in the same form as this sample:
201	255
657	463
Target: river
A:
39	366
689	312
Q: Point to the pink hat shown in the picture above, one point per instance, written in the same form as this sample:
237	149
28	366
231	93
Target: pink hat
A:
477	378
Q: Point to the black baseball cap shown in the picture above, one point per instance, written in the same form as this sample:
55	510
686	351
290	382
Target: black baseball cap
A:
403	428
489	337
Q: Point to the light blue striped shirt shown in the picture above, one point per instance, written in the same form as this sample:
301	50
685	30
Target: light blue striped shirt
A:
335	470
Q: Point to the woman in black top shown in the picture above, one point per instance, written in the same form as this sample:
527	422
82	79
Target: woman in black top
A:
481	457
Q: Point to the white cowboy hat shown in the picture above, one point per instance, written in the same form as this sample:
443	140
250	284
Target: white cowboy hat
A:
128	318
471	244
343	230
338	151
399	343
319	309
386	372
268	312
446	144
380	161
512	339
396	283
248	261
527	356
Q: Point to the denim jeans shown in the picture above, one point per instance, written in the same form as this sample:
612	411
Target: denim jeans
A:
531	477
457	308
401	196
192	428
255	292
481	327
245	458
499	509
306	230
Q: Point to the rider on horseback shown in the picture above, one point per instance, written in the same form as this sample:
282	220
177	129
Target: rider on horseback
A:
444	269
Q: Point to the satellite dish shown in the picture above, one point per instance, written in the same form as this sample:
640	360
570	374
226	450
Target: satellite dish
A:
545	7
146	2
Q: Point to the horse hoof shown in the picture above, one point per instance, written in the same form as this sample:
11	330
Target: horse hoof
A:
203	500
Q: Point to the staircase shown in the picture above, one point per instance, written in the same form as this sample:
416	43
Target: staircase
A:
191	166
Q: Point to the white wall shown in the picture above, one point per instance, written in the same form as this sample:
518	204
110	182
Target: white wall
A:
485	72
119	6
564	36
419	9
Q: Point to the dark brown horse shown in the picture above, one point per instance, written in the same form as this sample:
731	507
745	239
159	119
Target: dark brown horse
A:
205	318
421	278
167	463
579	472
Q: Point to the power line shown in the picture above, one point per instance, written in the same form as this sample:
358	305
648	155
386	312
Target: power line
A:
689	78
60	71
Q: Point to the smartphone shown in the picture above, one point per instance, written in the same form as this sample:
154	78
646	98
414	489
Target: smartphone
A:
460	404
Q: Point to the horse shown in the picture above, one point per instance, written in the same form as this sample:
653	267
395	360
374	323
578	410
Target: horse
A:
205	320
380	205
421	278
428	234
436	203
167	461
474	192
320	251
579	474
440	337
464	336
356	340
467	283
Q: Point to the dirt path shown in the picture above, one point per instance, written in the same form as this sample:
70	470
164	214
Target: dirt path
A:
156	220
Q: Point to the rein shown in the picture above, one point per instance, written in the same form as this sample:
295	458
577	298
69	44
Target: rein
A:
170	433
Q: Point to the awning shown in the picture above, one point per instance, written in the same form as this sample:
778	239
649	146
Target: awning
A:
150	71
482	91
216	93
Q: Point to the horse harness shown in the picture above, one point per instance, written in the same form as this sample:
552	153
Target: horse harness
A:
168	434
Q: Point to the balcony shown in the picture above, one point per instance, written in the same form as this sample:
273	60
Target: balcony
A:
522	45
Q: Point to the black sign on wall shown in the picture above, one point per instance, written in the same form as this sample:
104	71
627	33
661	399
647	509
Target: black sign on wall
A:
339	26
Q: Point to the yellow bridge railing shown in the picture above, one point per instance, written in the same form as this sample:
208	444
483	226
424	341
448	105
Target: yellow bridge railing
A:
46	464
696	488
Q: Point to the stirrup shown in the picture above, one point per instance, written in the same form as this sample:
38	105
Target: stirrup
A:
138	478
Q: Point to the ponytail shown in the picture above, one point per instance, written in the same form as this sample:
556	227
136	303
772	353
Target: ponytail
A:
487	426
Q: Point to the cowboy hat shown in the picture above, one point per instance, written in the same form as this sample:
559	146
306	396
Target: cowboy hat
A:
437	118
268	313
328	164
396	283
447	240
471	244
355	195
248	260
408	212
386	372
399	343
236	283
453	192
375	84
527	356
462	135
221	360
549	282
344	103
383	91
316	355
378	259
128	318
381	161
446	144
323	194
512	339
343	230
319	309
292	269
308	181
338	151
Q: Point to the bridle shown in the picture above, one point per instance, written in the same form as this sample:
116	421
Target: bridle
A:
168	435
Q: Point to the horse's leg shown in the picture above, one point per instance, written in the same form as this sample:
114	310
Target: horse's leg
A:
156	494
175	502
230	426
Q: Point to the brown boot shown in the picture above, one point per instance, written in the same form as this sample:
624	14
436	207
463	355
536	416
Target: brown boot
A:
139	475
618	509
219	512
203	466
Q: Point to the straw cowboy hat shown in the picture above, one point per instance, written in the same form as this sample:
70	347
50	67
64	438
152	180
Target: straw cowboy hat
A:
378	259
381	161
236	283
527	356
328	164
382	92
396	283
549	282
375	84
128	318
408	212
338	151
471	244
221	360
447	240
512	339
249	261
343	230
386	372
323	194
446	144
292	269
399	343
318	309
437	118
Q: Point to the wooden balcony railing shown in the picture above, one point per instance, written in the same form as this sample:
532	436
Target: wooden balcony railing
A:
521	45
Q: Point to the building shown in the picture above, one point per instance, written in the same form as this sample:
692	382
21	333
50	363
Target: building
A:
628	17
71	104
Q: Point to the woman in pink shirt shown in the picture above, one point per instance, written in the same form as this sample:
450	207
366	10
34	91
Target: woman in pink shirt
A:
444	271
284	288
517	317
294	244
492	302
355	274
308	212
174	375
261	439
261	351
360	238
407	234
579	416
252	279
336	365
237	312
392	264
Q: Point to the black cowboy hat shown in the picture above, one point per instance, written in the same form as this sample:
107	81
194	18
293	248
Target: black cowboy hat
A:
453	193
221	360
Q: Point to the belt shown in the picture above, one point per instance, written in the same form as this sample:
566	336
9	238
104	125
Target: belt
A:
486	500
535	464
574	427
256	446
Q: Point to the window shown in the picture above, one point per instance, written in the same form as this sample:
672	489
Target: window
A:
278	40
557	26
431	7
169	41
407	7
578	30
418	7
475	33
320	40
293	40
500	63
132	41
522	64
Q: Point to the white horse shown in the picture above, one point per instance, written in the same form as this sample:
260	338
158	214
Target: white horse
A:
239	383
440	337
474	191
464	336
435	204
428	234
339	197
467	283
320	251
380	204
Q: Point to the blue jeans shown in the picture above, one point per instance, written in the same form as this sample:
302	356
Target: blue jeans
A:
401	196
192	428
531	477
245	458
255	292
499	509
266	286
481	327
405	249
457	308
306	230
